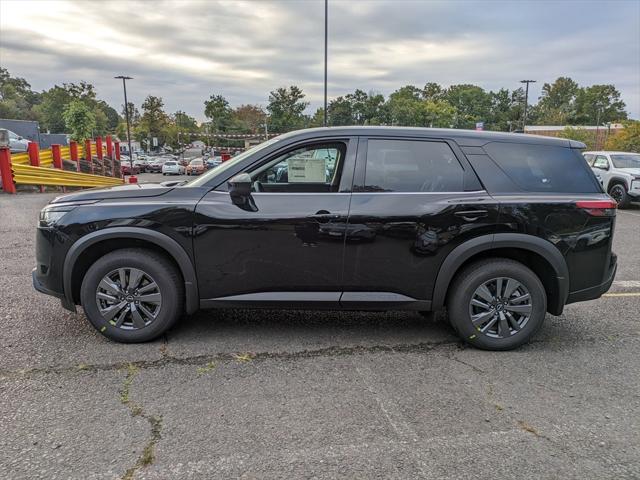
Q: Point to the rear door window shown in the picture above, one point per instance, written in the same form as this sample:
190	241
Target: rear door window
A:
412	166
543	168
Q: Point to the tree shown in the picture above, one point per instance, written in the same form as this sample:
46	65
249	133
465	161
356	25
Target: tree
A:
249	119
405	107
506	110
599	104
134	114
438	113
153	121
218	111
628	140
17	100
79	120
557	103
339	112
471	102
583	135
432	91
286	107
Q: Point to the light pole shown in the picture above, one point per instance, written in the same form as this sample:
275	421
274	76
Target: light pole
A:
326	24
526	102
126	112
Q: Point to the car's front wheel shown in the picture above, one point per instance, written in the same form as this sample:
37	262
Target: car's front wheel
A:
619	193
132	295
496	304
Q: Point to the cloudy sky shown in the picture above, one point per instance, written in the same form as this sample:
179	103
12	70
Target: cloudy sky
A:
185	51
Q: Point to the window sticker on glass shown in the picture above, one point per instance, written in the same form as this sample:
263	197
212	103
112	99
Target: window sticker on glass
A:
306	170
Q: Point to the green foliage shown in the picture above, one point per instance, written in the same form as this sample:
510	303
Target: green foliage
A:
628	140
472	105
583	135
153	122
17	100
286	107
564	102
217	109
79	120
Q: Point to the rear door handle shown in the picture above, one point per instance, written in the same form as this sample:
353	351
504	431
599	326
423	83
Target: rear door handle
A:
472	215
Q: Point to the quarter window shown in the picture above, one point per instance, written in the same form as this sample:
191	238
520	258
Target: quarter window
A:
412	166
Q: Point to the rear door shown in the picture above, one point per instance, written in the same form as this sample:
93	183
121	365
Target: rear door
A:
414	201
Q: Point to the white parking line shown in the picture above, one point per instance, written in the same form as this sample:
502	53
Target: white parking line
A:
628	294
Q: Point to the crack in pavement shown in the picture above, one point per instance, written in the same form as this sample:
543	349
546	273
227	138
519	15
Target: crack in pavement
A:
147	456
167	359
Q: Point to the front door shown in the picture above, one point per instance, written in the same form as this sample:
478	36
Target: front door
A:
287	243
413	201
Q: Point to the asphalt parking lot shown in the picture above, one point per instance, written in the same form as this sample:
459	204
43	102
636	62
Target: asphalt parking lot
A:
241	394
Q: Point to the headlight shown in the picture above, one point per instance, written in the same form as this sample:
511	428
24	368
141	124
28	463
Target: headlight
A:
51	214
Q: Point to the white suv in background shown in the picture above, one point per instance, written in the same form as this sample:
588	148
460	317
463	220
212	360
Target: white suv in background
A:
172	168
619	173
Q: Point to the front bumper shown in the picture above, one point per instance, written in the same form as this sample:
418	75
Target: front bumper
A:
42	289
592	293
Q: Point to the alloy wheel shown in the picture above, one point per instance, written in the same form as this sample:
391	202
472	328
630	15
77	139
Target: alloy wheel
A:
500	307
617	193
128	298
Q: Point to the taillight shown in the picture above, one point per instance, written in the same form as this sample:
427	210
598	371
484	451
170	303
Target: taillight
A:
598	208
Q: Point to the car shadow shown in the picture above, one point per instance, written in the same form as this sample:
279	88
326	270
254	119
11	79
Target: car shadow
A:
224	331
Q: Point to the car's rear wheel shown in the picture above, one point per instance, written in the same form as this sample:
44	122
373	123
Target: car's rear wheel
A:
619	193
497	304
132	295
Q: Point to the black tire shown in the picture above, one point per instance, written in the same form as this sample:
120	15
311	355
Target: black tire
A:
158	268
471	278
619	193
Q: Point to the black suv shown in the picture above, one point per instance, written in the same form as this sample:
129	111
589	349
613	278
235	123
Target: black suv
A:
498	228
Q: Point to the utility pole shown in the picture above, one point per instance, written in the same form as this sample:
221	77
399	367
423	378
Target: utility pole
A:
126	112
526	103
326	37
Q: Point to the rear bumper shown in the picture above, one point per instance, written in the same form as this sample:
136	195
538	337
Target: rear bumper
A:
592	293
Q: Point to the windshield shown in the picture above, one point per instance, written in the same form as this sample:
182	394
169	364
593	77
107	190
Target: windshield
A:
202	179
626	161
169	163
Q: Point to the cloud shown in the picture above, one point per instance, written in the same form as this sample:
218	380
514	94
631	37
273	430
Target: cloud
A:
185	51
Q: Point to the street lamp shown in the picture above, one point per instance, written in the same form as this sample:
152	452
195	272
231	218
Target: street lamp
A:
126	112
326	24
526	102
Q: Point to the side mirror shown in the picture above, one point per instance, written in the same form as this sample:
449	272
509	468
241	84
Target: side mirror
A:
240	185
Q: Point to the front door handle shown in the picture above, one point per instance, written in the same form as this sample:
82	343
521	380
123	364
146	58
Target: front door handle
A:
472	215
324	216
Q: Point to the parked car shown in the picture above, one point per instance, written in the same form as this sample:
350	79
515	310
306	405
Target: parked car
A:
155	166
195	167
172	168
213	162
17	144
619	173
141	164
127	169
499	228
